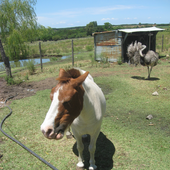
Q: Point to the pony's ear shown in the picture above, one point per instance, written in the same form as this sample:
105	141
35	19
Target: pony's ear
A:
78	81
63	75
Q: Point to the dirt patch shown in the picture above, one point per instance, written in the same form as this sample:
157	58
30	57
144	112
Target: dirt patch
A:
24	89
28	89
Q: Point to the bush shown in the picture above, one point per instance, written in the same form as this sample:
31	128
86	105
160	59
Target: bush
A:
89	47
53	59
31	66
119	61
56	37
58	51
9	80
26	77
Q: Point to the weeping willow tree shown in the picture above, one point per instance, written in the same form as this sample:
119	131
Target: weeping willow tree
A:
17	26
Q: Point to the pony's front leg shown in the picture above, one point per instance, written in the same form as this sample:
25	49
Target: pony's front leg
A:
68	134
92	148
80	148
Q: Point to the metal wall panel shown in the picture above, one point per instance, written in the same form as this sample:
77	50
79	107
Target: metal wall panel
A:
107	45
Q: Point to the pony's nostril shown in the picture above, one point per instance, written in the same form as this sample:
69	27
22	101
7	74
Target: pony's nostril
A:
49	132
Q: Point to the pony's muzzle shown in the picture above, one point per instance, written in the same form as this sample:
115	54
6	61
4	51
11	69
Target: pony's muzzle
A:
48	132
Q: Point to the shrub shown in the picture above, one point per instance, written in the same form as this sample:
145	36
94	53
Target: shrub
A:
58	51
53	59
89	47
9	80
31	66
119	61
26	77
91	55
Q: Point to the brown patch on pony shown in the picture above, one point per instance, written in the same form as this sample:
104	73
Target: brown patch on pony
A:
70	96
53	90
65	76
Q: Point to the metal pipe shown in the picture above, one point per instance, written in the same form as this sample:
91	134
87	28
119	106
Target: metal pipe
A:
19	143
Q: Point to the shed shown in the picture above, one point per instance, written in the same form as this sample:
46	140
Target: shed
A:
111	45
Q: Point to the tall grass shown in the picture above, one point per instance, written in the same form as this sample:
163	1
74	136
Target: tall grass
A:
166	42
62	47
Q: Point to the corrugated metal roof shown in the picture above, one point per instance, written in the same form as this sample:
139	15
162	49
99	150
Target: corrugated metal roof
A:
104	32
149	29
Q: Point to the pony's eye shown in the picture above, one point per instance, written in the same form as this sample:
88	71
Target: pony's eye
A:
65	103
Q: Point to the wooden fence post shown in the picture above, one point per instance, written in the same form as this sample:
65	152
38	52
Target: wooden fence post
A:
40	57
72	54
150	34
162	42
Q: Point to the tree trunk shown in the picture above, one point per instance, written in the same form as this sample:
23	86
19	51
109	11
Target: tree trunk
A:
5	60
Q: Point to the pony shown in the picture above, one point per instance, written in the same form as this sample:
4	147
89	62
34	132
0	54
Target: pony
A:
76	101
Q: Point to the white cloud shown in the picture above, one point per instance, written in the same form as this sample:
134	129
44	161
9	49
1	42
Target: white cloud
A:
63	17
127	18
65	13
114	18
61	22
42	19
108	19
70	24
88	11
105	19
104	10
130	18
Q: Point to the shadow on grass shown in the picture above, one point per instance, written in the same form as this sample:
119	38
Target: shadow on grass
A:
143	78
162	56
103	155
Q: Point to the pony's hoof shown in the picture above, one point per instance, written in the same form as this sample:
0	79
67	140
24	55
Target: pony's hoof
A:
93	167
80	168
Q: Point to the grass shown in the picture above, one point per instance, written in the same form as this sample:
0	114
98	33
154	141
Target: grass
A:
127	140
166	43
62	47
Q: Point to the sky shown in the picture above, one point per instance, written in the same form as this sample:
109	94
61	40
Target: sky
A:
73	13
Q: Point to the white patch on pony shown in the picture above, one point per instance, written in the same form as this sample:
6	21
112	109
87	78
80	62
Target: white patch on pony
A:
52	112
82	72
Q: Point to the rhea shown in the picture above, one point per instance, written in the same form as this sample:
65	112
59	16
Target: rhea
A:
150	59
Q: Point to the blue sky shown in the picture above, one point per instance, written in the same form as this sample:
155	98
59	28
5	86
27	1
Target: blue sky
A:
71	13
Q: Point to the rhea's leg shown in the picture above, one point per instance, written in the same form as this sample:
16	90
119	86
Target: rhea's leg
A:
148	72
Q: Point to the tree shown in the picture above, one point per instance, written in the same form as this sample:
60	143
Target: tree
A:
91	27
108	26
45	33
5	60
18	25
99	28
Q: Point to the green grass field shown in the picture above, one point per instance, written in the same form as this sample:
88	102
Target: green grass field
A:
127	140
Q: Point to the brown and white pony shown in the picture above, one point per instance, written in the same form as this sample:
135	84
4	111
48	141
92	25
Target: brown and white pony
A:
77	101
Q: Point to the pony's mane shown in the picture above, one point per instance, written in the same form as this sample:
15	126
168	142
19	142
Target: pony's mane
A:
68	74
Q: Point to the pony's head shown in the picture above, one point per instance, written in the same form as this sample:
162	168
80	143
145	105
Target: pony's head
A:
66	105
